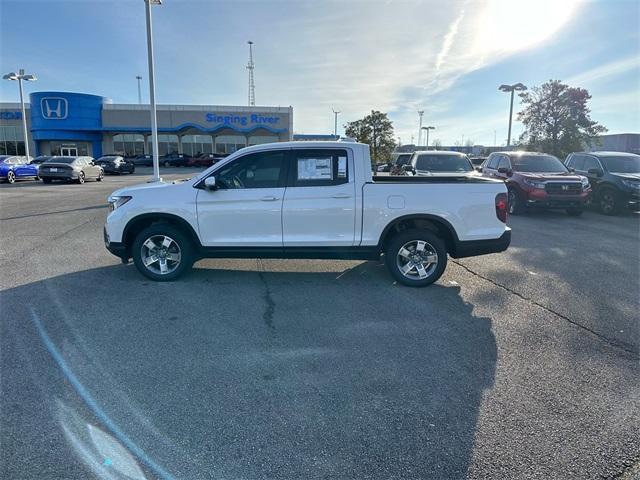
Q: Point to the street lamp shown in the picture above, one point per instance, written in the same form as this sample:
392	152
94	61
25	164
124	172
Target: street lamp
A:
427	129
420	113
335	122
516	87
138	78
20	76
152	92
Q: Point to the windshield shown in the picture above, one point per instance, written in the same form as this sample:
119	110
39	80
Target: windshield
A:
403	159
61	160
622	164
537	163
443	163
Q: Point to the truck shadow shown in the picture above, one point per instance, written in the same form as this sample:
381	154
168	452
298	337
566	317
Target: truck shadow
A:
249	374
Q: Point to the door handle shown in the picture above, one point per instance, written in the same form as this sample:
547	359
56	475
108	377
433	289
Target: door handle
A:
341	195
269	198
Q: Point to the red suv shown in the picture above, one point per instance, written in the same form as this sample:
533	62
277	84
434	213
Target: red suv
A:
538	180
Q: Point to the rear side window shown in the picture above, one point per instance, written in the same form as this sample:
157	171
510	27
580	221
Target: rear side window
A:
312	168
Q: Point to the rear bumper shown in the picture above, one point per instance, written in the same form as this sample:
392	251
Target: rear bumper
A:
59	175
473	248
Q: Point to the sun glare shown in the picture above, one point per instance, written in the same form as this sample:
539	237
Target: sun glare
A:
512	25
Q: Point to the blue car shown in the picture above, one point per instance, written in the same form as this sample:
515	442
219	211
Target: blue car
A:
15	167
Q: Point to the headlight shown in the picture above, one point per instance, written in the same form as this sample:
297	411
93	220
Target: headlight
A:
585	182
534	184
631	184
116	201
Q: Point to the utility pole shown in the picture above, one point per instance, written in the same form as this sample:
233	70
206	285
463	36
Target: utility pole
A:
420	114
138	77
494	138
20	77
251	67
335	122
152	91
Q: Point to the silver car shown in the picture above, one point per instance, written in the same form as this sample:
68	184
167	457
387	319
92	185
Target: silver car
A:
78	169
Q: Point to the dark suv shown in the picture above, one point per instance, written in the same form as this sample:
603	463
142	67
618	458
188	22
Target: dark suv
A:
538	180
614	177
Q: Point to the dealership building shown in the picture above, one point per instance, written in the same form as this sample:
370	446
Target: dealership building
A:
64	123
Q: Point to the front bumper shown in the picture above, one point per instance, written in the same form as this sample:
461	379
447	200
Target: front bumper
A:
540	198
472	248
115	248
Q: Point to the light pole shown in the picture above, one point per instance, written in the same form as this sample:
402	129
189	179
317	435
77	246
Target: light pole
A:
20	76
427	129
420	114
138	77
519	87
152	92
335	122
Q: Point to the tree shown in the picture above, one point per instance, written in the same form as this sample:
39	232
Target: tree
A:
436	143
556	119
376	130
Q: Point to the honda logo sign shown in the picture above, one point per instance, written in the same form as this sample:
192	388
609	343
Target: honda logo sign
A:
54	108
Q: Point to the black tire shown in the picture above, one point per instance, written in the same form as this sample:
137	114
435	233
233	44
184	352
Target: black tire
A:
81	178
11	177
167	164
434	243
133	169
100	176
514	202
185	245
46	180
574	212
609	201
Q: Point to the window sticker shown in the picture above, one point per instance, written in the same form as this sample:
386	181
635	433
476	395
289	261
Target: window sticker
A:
342	167
315	169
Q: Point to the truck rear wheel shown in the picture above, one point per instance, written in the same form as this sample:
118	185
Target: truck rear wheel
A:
162	252
416	258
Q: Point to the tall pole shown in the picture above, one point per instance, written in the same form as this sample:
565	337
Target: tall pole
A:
510	116
152	97
138	77
24	116
251	67
494	138
420	113
335	122
428	138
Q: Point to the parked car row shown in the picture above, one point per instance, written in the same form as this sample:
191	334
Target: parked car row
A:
49	168
609	180
178	160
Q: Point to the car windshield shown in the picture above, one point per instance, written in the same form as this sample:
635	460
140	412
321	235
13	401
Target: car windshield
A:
61	160
537	163
443	163
622	164
403	159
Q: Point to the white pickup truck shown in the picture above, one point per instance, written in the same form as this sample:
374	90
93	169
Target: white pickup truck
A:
307	200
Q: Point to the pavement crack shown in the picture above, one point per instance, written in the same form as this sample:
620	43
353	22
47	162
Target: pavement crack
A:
270	306
610	341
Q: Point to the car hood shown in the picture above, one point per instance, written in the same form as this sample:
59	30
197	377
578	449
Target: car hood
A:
147	186
550	176
627	176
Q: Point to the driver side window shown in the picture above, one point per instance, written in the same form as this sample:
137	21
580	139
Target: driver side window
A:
255	170
504	162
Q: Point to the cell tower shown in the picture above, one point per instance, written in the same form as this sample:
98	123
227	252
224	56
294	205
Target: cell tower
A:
252	85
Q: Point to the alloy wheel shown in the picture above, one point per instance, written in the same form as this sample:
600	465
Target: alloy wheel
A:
11	177
160	254
417	260
607	202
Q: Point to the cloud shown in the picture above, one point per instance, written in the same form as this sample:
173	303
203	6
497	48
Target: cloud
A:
606	71
448	40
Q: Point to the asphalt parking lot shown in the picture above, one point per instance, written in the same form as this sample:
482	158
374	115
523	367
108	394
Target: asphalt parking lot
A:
516	365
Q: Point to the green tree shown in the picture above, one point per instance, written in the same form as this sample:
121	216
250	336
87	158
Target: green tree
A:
556	119
376	130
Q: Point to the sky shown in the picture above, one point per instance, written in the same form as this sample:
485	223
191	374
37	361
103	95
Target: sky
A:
446	58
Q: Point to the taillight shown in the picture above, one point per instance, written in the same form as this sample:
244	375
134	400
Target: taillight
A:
501	207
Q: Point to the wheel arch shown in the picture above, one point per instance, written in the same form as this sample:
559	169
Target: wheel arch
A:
140	222
434	223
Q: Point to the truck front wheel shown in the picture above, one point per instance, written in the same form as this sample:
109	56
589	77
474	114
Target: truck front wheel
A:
416	258
162	252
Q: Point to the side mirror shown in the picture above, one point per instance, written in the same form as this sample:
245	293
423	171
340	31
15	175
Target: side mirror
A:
505	171
210	182
572	170
407	168
595	171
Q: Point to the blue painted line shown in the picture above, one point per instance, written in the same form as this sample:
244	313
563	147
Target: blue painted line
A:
93	405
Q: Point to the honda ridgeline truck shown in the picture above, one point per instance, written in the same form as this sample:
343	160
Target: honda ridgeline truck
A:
307	200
